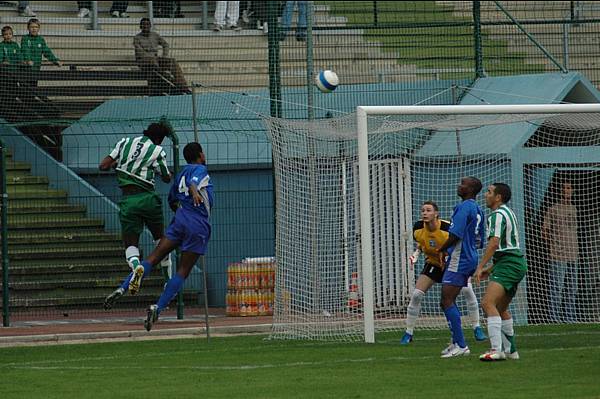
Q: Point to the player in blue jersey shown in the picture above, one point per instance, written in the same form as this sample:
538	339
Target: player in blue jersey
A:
459	254
191	197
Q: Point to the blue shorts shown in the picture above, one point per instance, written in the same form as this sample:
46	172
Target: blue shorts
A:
190	231
455	278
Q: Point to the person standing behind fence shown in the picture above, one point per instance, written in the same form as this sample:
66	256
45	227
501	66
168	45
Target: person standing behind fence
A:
10	64
559	230
227	13
136	161
146	44
10	52
286	20
33	47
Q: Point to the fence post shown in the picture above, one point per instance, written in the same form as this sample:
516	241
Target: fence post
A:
4	237
274	59
375	14
150	11
94	16
309	60
479	71
205	15
530	37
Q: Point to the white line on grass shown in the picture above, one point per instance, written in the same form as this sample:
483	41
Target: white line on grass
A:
272	344
23	366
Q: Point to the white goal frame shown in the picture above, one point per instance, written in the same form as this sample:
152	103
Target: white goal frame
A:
362	112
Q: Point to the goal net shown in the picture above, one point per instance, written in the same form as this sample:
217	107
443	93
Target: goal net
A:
348	194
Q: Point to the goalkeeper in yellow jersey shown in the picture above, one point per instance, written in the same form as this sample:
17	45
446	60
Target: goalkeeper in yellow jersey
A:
431	233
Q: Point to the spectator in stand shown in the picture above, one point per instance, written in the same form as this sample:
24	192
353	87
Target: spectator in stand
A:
256	12
25	10
286	20
10	52
167	9
146	45
33	47
119	9
84	8
10	61
559	230
227	14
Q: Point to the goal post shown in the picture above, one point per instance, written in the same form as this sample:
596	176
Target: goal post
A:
362	113
348	190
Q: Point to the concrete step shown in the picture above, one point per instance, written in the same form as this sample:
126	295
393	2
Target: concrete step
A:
26	180
136	10
80	299
61	237
54	224
68	262
25	187
57	245
67	252
36	195
81	271
87	284
57	216
239	55
52	26
13	166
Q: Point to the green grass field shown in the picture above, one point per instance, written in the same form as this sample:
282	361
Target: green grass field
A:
556	362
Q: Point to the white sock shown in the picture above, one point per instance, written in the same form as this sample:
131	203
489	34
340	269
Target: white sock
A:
508	334
132	254
472	305
166	262
413	310
494	325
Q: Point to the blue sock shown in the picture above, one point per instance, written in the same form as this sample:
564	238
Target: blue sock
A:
453	317
147	268
125	283
173	287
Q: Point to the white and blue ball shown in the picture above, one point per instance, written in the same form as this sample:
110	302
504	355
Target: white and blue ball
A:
327	81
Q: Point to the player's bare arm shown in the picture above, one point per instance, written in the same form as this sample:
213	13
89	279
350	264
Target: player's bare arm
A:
452	240
166	178
196	195
107	163
482	271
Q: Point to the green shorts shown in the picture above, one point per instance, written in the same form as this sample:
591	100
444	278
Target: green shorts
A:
140	209
509	270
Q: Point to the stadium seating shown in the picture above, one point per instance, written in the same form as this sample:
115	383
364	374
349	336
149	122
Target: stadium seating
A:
58	256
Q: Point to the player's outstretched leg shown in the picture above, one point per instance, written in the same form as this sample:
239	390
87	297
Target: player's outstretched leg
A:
110	300
136	280
114	296
151	317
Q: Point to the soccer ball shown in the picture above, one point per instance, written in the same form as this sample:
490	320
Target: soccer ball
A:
327	81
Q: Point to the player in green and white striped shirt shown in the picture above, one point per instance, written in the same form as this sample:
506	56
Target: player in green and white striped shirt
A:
136	161
507	271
